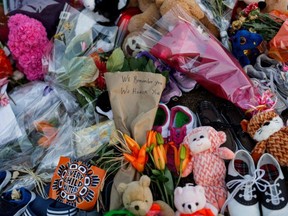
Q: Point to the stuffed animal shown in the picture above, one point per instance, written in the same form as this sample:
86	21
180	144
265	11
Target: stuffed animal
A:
278	5
207	162
268	129
244	46
191	201
192	8
138	199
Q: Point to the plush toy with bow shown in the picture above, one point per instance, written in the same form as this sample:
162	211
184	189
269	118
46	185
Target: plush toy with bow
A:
207	163
244	46
268	129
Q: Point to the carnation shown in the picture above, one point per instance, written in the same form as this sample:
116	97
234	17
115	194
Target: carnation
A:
27	40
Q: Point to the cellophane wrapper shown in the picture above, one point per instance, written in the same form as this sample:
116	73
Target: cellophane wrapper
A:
186	45
69	58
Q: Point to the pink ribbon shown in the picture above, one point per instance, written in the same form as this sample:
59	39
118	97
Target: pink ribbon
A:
265	102
4	100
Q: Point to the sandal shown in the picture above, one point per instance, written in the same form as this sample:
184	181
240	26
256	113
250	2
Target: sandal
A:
208	115
233	115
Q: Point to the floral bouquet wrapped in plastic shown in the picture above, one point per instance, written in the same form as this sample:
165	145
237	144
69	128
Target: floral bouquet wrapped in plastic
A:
183	43
70	60
219	12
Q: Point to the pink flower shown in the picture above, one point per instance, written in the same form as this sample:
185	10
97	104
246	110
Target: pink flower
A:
27	40
4	100
249	8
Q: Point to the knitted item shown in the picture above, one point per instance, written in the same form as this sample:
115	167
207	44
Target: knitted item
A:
268	129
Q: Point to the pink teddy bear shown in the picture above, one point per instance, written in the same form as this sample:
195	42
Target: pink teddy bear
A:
207	163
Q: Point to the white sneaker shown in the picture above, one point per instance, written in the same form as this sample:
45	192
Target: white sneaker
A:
242	180
162	120
274	197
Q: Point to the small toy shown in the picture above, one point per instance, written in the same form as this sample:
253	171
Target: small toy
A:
268	129
207	162
244	46
138	199
190	200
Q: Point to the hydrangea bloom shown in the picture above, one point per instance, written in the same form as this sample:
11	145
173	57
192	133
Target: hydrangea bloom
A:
27	40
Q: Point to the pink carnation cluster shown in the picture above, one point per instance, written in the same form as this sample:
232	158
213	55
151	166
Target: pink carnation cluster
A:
27	40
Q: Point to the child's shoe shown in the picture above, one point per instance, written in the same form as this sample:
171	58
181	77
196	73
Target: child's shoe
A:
184	82
5	177
162	120
241	184
171	91
274	197
182	121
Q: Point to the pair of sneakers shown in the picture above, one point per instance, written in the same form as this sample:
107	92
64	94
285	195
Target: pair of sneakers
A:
268	73
174	124
256	191
177	83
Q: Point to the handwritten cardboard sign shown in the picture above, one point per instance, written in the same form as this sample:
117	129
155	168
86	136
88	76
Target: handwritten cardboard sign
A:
134	98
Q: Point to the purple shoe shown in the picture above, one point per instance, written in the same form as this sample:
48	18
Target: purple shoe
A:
162	120
171	91
184	82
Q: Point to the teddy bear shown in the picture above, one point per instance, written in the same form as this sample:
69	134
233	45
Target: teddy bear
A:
138	199
207	162
278	5
268	129
192	8
191	201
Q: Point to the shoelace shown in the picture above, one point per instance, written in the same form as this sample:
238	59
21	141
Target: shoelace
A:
275	198
247	182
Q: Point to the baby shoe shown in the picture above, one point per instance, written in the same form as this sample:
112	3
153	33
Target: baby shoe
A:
233	116
12	206
182	121
272	69
274	196
184	82
242	178
171	91
162	120
5	177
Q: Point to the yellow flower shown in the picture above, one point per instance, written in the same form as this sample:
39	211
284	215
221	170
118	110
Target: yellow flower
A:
236	24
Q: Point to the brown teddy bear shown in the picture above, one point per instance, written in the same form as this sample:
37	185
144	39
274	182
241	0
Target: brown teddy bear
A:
138	199
268	129
280	5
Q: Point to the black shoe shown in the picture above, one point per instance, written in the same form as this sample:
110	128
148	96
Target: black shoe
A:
233	116
103	106
208	115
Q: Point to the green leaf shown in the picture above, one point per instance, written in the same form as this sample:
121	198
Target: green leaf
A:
137	64
169	184
115	61
150	67
156	172
163	179
126	66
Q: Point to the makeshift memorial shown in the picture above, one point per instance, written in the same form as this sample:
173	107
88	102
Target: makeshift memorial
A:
200	56
27	40
207	162
191	200
267	128
76	183
138	198
219	13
